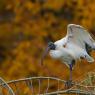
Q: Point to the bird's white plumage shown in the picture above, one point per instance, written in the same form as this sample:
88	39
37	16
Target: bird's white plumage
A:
78	35
72	46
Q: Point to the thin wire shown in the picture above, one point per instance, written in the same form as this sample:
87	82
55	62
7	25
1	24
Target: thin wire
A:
30	85
47	86
39	86
58	87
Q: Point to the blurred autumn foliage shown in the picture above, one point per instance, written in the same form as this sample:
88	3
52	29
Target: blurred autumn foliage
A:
27	25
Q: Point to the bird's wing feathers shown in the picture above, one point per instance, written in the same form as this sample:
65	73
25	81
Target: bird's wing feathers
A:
78	35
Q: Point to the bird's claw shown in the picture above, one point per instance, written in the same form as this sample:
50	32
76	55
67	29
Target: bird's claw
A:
68	84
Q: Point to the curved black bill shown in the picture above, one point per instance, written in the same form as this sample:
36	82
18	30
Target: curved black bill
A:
44	54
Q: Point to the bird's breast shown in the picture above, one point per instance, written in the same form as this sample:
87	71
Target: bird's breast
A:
75	50
56	54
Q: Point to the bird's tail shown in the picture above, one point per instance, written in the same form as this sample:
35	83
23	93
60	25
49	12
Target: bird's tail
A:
93	41
93	46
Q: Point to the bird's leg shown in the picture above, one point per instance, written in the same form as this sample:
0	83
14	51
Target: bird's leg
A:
70	72
69	82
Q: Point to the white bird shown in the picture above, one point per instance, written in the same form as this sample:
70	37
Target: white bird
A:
77	44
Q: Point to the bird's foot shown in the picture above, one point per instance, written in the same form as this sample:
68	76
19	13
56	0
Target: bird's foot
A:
68	84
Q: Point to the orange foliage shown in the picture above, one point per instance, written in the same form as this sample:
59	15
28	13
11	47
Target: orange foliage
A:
27	25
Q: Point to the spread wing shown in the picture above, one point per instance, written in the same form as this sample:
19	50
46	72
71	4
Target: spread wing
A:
78	35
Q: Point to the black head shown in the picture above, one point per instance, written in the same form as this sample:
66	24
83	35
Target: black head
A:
51	45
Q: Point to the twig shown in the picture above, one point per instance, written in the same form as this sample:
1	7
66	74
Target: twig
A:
5	85
74	91
32	78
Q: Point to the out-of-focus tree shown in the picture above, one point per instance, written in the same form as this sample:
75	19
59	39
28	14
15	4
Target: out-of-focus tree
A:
27	25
